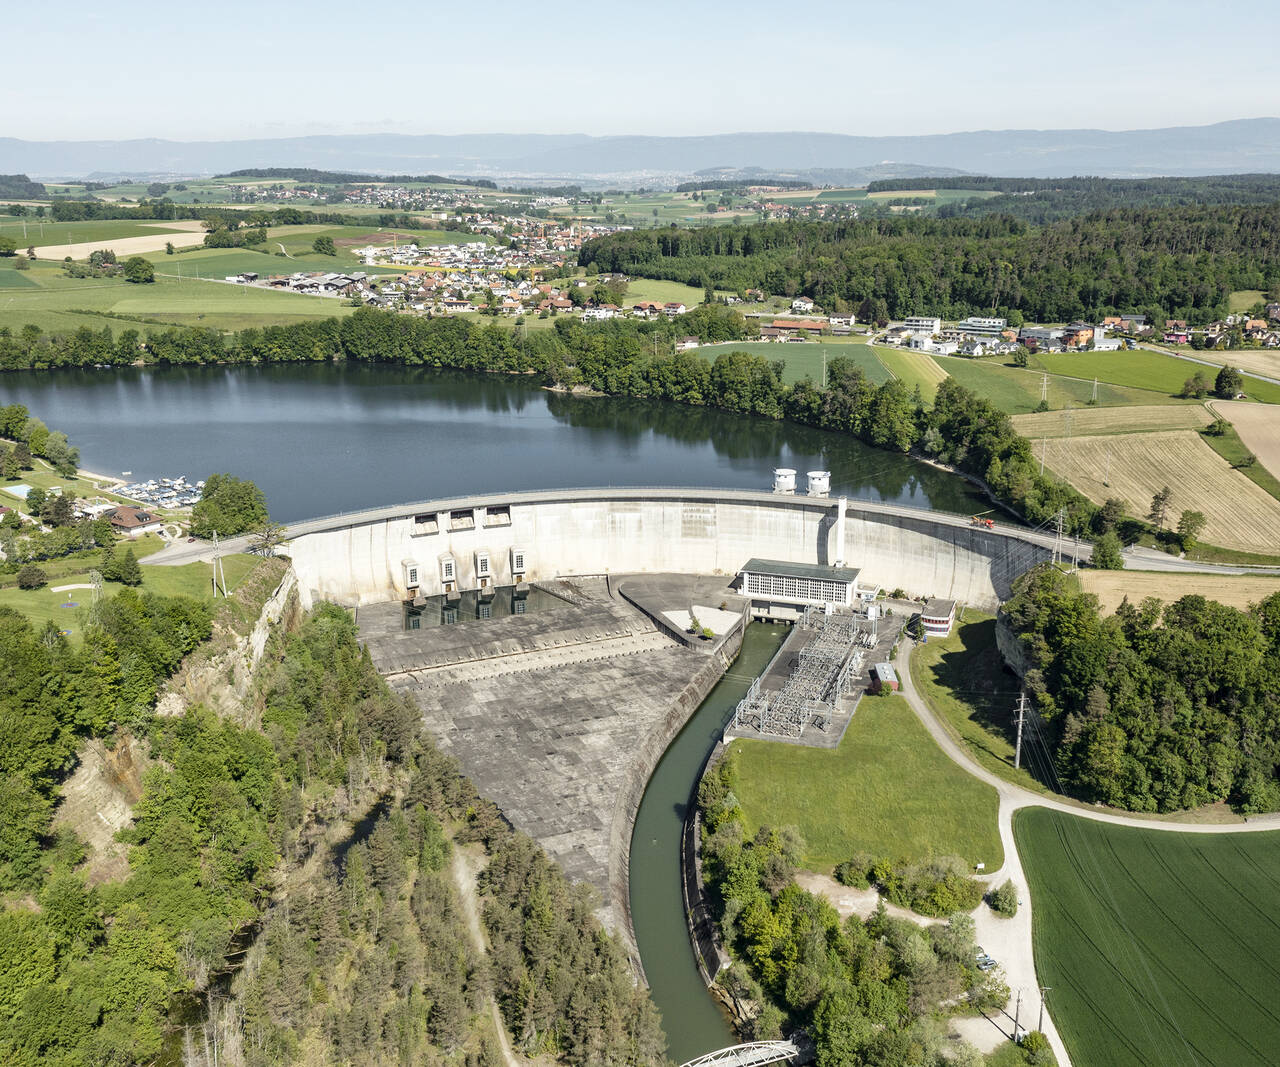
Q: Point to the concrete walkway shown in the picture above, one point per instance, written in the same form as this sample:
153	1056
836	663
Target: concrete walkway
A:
1009	940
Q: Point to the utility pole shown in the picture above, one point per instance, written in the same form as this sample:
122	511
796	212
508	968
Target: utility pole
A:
1044	388
1043	990
1060	518
1017	1012
1044	447
1022	714
1095	390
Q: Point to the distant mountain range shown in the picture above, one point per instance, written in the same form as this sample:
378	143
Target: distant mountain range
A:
1240	146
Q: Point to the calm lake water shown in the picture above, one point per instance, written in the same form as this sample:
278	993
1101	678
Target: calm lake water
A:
320	439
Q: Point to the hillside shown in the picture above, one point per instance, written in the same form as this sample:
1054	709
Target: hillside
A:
1245	145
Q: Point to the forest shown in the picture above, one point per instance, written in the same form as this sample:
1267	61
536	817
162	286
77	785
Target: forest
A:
1042	200
241	933
1179	261
1157	707
868	991
619	357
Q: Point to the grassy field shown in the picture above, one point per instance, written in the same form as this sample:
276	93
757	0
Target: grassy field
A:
664	292
59	303
1160	948
43	605
1018	391
887	790
1112	420
1244	299
1133	467
1144	369
963	679
40	233
1238	590
913	369
1256	429
806	359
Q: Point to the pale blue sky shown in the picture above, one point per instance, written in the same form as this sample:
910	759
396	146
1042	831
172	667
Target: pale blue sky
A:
229	68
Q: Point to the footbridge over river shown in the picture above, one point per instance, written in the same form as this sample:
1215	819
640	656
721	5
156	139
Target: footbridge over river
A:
504	539
752	1054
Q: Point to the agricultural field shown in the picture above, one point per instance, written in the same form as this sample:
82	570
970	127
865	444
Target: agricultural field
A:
1086	421
1263	361
887	790
805	359
1018	391
1259	428
56	236
1133	467
55	302
912	369
665	292
1159	947
1244	299
1144	369
1237	590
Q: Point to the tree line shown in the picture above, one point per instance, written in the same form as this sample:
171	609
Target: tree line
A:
624	358
1157	707
1041	200
1178	261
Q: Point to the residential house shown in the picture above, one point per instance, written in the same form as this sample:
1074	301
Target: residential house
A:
131	522
802	305
687	343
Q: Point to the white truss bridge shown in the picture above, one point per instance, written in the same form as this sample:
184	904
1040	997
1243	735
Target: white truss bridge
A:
753	1054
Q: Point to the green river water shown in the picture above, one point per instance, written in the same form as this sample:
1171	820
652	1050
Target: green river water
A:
692	1020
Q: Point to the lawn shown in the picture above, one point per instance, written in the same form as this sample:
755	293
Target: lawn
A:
1018	391
43	605
1159	947
1244	299
805	359
888	790
964	681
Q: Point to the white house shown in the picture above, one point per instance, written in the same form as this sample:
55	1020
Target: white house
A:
802	305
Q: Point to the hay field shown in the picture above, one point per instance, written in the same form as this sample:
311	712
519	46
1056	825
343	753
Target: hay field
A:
1240	514
1259	428
1237	590
1086	421
125	246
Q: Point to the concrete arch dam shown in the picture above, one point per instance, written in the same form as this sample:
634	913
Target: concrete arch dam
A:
560	715
361	558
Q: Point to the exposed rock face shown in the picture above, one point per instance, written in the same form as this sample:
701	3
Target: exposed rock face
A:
98	799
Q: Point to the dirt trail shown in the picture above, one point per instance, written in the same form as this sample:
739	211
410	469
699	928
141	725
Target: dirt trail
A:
466	865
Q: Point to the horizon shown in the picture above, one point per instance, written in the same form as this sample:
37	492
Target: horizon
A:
682	70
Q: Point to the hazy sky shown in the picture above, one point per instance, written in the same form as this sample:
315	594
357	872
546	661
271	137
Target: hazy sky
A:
230	69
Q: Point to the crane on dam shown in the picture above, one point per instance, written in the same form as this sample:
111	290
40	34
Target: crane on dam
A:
752	1054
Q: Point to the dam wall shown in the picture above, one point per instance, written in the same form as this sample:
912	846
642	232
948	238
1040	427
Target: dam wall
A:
525	537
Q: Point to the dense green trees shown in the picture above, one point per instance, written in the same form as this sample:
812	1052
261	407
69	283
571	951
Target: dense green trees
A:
864	990
33	437
1154	708
139	270
1180	261
228	506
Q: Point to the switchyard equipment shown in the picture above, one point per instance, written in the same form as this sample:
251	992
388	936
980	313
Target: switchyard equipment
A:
827	667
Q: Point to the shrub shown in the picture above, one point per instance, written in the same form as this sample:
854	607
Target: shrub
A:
31	577
938	888
853	872
1003	900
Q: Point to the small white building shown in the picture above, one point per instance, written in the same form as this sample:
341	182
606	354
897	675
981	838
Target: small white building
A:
802	305
937	617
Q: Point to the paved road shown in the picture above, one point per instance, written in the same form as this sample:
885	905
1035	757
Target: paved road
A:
1009	940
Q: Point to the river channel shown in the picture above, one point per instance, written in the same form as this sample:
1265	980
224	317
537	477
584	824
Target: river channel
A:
320	439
